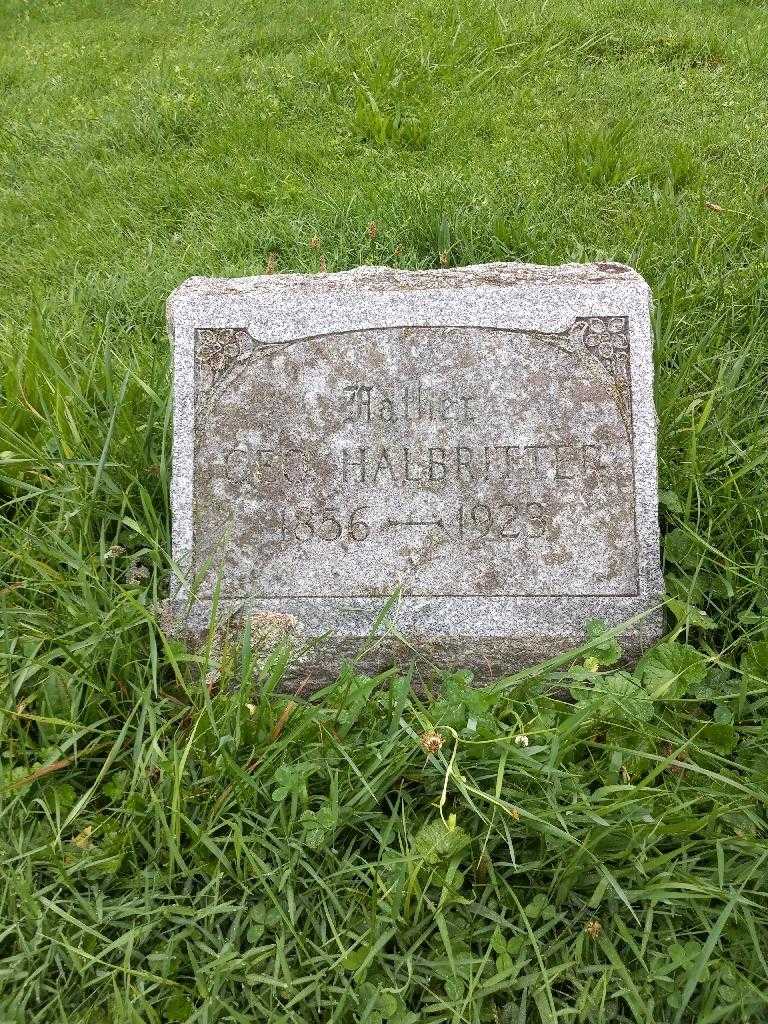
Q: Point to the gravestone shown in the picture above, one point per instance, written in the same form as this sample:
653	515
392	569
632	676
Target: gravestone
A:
478	442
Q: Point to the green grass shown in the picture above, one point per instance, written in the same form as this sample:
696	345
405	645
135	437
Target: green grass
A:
170	853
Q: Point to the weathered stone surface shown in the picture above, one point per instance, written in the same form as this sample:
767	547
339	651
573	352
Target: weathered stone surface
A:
481	440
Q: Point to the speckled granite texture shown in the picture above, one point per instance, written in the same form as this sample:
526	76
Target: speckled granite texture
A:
481	441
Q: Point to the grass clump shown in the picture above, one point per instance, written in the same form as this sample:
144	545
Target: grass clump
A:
582	842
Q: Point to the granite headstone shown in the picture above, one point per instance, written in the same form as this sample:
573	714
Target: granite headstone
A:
479	442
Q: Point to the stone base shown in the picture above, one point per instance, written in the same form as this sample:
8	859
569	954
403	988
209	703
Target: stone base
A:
375	642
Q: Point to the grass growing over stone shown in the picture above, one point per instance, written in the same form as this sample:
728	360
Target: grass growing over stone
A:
170	853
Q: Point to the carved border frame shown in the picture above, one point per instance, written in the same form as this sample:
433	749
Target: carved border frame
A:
222	353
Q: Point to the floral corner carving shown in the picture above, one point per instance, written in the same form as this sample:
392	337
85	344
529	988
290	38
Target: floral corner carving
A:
607	339
218	351
604	339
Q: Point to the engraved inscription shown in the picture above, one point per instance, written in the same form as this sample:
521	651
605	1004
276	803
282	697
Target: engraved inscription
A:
369	403
444	460
384	466
508	521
